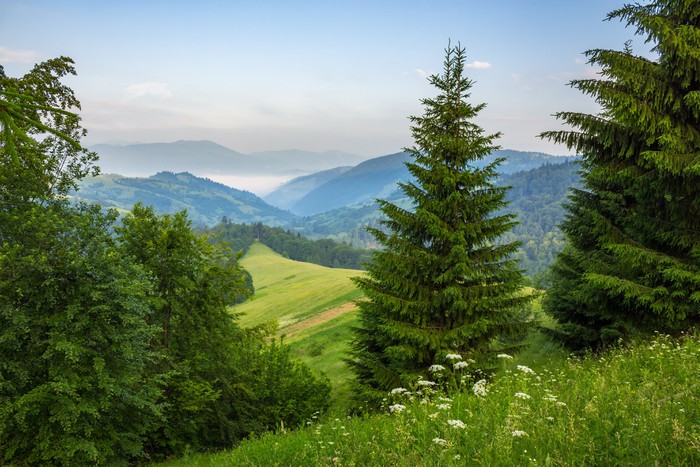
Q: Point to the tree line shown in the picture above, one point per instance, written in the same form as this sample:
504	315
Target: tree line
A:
325	252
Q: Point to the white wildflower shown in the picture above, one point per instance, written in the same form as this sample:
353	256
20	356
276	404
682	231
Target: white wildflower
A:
398	391
519	433
458	457
480	389
561	404
456	424
522	395
504	356
525	369
396	408
433	416
425	382
444	399
460	365
444	406
453	356
440	441
435	368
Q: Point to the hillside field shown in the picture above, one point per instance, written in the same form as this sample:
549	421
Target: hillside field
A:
313	305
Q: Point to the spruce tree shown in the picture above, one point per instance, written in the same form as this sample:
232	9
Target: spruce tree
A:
633	264
440	283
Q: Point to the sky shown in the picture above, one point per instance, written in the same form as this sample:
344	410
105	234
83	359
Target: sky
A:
311	75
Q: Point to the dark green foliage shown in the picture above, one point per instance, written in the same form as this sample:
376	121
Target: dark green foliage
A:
40	154
536	198
219	382
440	284
114	349
73	341
634	227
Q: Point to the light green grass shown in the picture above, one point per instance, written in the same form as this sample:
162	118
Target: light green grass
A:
289	291
294	294
631	406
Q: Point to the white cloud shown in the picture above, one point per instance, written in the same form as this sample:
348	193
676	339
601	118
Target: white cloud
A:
421	73
156	89
478	65
8	55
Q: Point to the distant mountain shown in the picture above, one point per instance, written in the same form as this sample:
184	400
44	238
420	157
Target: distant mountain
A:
378	178
292	191
207	202
205	158
296	159
366	181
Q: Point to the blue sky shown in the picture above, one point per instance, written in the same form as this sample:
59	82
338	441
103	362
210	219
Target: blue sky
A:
314	75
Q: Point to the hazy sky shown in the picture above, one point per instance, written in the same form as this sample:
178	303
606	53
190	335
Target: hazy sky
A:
315	75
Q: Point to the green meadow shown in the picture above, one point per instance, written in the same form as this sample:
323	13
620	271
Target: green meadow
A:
313	307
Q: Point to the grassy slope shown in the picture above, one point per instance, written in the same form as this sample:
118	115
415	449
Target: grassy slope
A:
313	306
631	406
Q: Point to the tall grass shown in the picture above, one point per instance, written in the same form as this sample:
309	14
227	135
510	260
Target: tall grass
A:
638	405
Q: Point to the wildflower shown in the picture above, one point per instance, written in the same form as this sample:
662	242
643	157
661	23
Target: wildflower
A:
398	391
444	406
458	457
453	356
550	398
456	424
396	408
460	365
436	368
425	382
444	399
439	441
504	356
479	388
519	433
561	404
522	395
433	416
525	369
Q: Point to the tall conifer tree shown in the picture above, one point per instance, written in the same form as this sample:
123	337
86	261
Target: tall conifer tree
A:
634	227
441	283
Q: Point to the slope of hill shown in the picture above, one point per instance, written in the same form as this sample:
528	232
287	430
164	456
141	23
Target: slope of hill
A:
634	405
312	304
292	191
207	202
371	179
377	178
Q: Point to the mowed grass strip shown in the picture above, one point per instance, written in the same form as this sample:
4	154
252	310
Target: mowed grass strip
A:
291	291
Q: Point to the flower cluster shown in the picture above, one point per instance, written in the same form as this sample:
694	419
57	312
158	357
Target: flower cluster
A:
480	389
459	424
